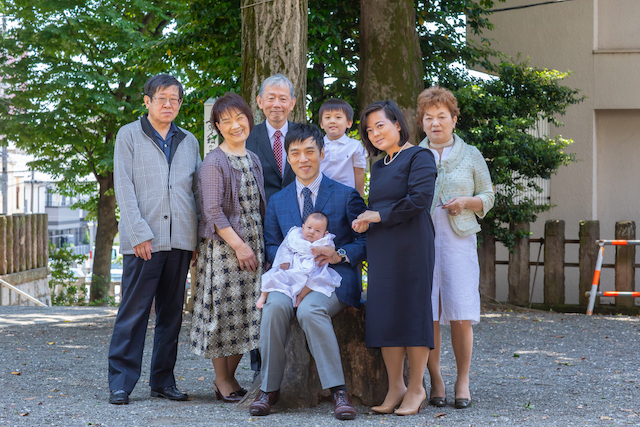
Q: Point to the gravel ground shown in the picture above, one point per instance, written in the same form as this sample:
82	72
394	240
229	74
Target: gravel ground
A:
529	368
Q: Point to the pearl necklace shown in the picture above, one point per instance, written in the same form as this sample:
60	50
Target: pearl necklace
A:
443	145
391	159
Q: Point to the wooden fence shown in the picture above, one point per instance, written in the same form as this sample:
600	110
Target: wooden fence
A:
553	244
24	242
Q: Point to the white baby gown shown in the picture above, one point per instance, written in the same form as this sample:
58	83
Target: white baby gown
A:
303	270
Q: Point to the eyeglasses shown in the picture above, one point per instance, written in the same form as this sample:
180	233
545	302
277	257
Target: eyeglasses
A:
163	101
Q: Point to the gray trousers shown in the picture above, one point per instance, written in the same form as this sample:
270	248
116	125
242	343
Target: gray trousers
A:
314	315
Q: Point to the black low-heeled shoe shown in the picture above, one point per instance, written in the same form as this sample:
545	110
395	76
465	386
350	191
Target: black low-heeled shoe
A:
242	392
234	397
462	403
438	401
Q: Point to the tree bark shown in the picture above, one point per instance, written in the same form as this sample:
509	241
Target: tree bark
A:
274	40
105	233
390	57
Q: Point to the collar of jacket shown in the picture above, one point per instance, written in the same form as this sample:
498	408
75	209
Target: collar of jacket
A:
447	166
148	130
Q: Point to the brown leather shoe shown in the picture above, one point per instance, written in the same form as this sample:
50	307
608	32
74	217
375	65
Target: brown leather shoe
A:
261	406
343	409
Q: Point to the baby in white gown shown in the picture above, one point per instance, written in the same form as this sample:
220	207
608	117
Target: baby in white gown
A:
295	272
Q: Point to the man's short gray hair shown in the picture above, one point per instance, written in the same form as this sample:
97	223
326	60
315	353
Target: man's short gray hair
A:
277	80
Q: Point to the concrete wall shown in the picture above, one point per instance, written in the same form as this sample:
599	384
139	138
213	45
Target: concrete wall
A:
33	282
598	41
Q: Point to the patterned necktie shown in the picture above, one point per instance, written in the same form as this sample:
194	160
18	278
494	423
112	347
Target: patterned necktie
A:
277	149
307	206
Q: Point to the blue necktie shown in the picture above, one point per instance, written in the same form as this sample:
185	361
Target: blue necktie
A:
307	207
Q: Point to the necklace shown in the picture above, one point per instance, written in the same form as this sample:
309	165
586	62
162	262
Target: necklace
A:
391	159
443	145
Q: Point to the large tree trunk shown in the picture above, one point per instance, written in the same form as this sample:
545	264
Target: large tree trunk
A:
390	58
105	233
274	40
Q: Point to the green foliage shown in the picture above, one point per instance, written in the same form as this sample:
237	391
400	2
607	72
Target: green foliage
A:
333	56
73	76
64	290
442	31
73	82
496	116
205	49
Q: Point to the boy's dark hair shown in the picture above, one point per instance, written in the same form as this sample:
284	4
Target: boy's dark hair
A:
318	215
228	103
161	81
335	104
393	113
301	132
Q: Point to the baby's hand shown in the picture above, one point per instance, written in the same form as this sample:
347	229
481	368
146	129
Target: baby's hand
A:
284	266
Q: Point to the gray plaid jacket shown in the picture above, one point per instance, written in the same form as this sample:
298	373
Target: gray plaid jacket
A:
157	200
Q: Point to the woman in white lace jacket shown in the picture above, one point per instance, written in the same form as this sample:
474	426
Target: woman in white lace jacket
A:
463	192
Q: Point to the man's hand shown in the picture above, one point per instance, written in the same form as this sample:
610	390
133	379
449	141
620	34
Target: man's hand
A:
143	250
326	255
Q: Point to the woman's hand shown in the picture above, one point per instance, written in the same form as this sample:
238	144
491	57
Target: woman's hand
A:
457	204
246	258
361	223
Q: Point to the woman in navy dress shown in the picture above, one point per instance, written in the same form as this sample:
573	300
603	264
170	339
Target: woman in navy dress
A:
400	253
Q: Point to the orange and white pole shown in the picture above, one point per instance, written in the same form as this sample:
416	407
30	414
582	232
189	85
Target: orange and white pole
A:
596	279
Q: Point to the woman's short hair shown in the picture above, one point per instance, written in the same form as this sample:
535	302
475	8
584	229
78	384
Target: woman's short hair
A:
393	113
437	96
230	102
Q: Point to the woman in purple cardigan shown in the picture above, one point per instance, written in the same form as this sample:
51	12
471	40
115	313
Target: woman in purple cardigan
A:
226	322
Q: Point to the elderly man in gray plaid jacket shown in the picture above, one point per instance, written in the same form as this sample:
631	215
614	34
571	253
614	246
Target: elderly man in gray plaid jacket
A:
155	169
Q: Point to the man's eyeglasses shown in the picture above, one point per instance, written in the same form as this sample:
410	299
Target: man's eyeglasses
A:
163	101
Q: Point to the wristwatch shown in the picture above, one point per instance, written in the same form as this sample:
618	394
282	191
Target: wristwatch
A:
342	253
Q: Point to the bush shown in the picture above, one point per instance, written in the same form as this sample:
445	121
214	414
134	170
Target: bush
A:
62	278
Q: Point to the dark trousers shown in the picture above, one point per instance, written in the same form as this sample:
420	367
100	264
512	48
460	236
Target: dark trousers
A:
256	361
162	277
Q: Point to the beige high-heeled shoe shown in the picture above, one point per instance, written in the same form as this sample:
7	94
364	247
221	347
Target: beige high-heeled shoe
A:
387	409
411	411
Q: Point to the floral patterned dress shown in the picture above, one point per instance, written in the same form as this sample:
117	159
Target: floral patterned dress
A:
225	318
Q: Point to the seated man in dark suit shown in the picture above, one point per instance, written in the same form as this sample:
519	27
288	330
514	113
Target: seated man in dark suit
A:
311	191
276	100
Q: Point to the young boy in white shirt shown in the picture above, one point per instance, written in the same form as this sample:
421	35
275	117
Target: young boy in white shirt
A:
345	158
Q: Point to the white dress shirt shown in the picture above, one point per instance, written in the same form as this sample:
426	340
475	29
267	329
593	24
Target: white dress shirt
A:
340	157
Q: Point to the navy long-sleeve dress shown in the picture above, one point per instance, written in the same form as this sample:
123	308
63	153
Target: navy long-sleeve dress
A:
400	251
